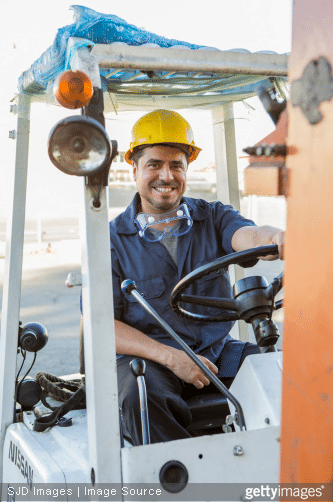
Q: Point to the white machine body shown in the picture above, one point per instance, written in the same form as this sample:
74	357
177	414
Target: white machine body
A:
258	387
60	454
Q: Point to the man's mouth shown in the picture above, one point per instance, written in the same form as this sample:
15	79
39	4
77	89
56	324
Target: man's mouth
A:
165	189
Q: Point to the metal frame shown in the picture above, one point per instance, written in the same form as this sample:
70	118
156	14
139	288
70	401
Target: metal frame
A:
13	272
98	322
104	444
200	60
99	342
183	78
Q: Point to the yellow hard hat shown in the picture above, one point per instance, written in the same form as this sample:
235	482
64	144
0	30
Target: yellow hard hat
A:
162	127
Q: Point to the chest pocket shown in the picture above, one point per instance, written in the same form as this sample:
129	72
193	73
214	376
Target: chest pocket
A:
149	289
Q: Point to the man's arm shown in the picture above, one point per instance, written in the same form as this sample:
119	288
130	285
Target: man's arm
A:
133	342
253	236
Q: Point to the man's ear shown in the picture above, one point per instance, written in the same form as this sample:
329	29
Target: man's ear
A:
134	166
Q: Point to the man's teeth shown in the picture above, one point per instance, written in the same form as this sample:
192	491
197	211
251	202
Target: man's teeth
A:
164	189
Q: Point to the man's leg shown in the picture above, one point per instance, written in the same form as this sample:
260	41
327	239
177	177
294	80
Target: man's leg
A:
168	412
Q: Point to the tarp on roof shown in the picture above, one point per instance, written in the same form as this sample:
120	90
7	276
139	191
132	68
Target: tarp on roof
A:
127	87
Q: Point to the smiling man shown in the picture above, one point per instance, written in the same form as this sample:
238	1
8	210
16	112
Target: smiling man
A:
161	178
160	238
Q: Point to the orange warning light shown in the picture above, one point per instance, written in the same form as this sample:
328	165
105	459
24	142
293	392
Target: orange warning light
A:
73	89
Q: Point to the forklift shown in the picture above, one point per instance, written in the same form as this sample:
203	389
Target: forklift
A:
85	453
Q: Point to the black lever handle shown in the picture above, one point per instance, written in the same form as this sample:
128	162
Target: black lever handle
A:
138	368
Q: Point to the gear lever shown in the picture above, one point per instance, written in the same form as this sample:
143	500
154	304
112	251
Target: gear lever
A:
138	367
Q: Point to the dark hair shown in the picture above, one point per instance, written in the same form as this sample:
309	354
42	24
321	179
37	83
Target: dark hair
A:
138	152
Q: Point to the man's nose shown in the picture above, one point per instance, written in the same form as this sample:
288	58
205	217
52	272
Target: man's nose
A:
165	173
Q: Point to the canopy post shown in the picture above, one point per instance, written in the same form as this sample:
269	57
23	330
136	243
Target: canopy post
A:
227	181
99	342
98	322
225	155
13	273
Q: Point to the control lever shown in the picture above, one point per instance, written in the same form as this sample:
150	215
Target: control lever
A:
138	367
128	287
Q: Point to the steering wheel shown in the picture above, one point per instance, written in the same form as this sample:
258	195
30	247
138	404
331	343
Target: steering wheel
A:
253	296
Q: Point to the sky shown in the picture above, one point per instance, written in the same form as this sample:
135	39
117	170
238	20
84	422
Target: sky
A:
28	27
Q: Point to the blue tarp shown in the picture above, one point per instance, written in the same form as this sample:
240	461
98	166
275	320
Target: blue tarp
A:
131	87
96	27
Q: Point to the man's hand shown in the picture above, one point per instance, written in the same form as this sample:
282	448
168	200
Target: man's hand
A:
252	237
185	369
133	342
279	240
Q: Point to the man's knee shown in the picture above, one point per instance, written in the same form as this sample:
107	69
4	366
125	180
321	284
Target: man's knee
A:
158	379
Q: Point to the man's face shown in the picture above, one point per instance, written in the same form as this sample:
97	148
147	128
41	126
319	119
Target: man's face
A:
160	177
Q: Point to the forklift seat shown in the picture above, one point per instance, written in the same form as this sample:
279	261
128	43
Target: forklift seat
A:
209	412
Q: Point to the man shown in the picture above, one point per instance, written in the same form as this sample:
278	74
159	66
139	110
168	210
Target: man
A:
161	237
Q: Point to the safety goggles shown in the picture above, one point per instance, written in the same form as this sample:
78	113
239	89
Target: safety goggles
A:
153	227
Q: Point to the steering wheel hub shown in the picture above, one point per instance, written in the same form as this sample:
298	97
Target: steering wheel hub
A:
249	284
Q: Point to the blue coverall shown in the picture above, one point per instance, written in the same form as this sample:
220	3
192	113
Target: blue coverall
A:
151	267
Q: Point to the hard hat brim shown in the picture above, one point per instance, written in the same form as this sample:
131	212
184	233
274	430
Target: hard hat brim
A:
191	150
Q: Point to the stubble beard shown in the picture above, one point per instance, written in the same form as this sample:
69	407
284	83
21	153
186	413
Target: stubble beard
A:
162	206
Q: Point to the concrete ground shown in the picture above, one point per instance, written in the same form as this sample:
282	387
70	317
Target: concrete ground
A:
46	299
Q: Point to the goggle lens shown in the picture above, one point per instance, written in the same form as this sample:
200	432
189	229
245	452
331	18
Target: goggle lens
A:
153	227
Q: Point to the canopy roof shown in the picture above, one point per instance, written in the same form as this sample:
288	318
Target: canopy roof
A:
141	70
